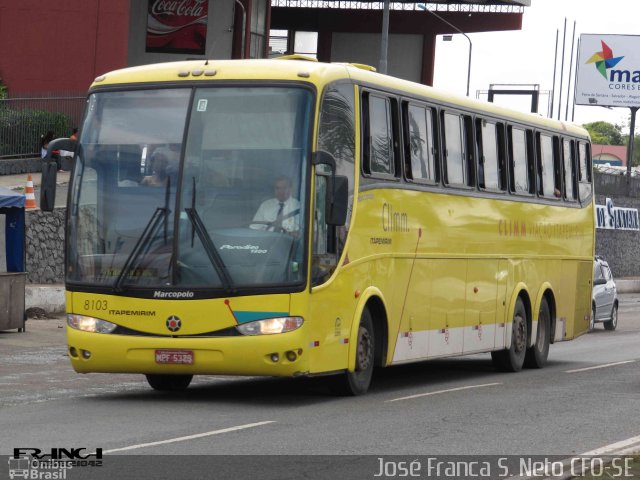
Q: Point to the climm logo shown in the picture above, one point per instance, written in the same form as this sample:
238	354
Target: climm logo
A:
604	62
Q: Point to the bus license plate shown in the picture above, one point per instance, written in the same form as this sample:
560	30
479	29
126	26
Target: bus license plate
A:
181	357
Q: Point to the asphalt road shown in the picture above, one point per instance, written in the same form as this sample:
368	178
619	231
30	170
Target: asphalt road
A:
586	398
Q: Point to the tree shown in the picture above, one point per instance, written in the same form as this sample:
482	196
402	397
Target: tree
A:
636	148
605	133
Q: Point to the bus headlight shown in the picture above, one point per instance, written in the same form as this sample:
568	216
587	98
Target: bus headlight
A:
90	324
271	326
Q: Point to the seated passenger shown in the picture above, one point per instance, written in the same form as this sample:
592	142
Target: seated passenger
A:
161	159
279	214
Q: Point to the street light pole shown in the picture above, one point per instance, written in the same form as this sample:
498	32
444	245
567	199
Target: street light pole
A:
384	40
422	6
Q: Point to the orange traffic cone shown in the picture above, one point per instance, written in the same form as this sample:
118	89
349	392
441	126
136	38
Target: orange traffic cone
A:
31	198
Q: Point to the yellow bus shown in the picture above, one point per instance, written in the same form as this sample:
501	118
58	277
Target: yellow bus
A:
294	218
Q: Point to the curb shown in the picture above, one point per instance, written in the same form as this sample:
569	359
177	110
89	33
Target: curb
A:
628	285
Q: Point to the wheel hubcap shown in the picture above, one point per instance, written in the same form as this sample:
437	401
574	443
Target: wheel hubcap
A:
520	333
364	350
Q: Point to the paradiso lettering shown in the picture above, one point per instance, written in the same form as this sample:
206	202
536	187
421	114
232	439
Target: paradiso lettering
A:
609	217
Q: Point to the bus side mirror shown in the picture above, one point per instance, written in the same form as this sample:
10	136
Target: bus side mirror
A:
337	200
48	186
50	172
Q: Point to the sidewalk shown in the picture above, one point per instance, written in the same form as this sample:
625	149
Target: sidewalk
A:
19	181
48	297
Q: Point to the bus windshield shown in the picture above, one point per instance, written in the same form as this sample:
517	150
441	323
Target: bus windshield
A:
191	188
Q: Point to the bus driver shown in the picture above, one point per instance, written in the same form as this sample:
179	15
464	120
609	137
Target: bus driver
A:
281	213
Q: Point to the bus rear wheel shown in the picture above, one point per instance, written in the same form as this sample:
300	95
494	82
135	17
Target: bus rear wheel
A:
537	355
358	381
512	358
169	383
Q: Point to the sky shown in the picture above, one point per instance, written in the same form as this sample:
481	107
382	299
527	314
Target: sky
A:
527	56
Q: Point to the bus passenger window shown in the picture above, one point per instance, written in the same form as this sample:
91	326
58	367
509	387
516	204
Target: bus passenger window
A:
518	161
584	160
546	171
419	146
568	150
489	158
380	151
455	160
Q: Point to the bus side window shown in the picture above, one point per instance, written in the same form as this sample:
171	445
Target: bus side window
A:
584	179
569	162
520	179
558	177
546	170
418	143
456	131
489	139
378	136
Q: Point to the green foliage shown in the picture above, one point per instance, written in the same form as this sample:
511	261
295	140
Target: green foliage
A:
20	130
636	149
605	133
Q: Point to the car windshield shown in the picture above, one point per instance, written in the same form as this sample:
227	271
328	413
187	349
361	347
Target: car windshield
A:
191	188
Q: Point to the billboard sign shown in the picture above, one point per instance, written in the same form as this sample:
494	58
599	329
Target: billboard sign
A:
177	26
608	72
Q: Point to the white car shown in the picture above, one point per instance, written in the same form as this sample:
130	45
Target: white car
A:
604	298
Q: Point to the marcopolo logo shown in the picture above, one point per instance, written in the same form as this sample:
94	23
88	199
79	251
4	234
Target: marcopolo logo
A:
182	294
174	323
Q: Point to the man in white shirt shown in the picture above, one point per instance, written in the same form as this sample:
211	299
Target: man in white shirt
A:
281	213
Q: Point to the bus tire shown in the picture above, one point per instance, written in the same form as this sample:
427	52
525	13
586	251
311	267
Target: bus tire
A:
537	355
512	358
169	383
357	382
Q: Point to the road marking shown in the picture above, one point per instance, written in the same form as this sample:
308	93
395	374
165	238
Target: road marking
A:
438	392
189	437
630	445
606	365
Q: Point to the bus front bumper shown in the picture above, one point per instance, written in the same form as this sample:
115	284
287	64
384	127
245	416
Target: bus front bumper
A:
285	354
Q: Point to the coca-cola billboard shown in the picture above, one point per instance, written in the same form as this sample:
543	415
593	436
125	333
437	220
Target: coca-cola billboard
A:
177	26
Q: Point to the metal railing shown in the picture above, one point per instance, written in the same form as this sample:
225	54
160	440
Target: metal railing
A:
379	5
24	119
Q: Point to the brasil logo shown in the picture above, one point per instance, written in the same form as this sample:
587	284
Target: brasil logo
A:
604	59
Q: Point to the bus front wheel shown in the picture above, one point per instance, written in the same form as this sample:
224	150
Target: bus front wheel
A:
512	358
169	383
358	381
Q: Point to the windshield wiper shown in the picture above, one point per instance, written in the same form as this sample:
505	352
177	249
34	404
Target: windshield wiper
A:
149	231
210	249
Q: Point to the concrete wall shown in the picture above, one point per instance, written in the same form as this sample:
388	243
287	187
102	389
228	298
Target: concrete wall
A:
61	46
404	54
621	248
